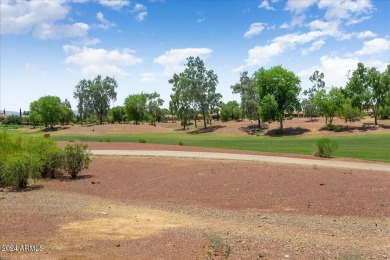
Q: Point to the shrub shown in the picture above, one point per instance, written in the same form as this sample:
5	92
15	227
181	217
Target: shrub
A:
329	127
13	120
47	153
338	128
142	141
18	169
325	147
181	143
76	159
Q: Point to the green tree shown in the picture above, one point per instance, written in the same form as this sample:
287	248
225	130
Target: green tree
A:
356	88
116	114
377	90
153	107
329	103
135	107
49	108
283	85
67	112
95	96
180	103
347	111
197	86
317	79
249	94
268	110
230	111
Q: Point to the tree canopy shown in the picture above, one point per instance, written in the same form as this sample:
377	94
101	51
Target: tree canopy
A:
48	110
249	94
195	89
94	96
284	86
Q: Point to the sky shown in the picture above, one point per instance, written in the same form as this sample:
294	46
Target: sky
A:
48	46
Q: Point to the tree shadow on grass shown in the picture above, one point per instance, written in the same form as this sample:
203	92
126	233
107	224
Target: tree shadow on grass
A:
289	131
209	129
252	129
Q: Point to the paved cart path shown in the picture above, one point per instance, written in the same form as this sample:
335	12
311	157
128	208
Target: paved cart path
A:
248	157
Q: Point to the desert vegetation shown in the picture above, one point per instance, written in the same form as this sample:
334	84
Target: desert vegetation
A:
24	157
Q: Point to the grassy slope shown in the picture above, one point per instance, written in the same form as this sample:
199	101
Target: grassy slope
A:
367	147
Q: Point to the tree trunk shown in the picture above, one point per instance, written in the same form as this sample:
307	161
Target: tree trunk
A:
204	119
281	125
375	117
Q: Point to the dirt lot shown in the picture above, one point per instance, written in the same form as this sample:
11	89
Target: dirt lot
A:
155	208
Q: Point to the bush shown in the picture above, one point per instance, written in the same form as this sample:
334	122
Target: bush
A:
325	147
13	120
16	170
384	112
142	141
338	128
330	127
76	159
47	153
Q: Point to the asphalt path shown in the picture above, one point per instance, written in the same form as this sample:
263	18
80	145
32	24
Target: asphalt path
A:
248	157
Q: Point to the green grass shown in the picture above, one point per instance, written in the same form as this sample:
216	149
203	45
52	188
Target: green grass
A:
366	147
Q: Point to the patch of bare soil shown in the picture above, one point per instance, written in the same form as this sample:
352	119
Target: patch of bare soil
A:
148	208
294	127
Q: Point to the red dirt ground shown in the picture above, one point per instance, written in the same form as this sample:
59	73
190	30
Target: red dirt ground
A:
171	208
165	208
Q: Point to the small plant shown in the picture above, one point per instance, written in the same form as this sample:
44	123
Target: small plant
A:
76	159
338	128
330	127
108	140
142	141
180	143
217	246
258	132
325	147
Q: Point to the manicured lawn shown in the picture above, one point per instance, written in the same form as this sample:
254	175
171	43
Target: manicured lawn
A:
367	147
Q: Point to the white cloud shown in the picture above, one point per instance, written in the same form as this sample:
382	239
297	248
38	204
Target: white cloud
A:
264	4
349	10
140	11
366	34
335	70
174	59
59	31
18	17
297	20
114	4
100	61
299	6
148	77
254	29
314	47
104	23
377	45
262	55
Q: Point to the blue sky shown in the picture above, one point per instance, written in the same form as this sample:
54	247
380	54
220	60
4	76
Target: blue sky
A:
48	46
